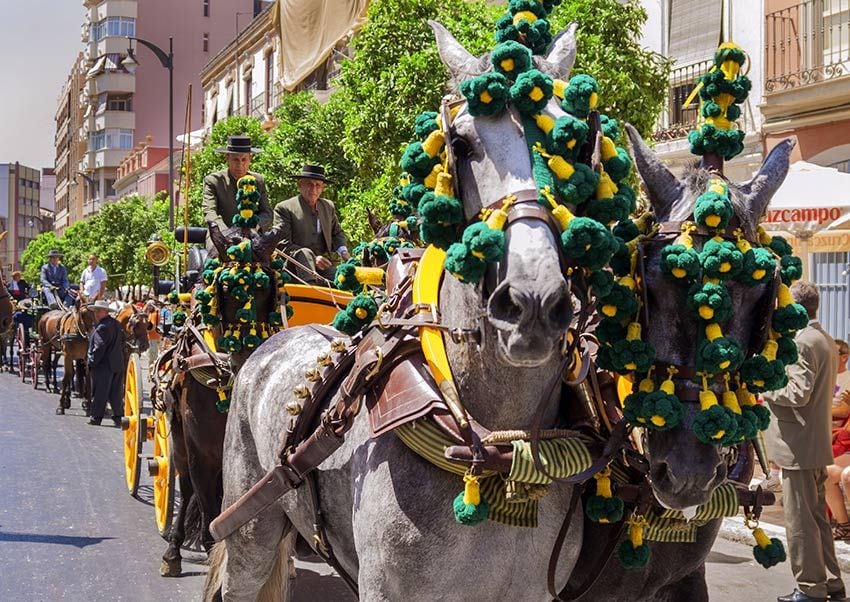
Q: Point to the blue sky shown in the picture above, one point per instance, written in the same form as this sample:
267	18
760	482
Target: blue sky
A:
44	34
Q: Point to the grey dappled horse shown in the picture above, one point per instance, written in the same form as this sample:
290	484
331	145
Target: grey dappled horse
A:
683	470
387	511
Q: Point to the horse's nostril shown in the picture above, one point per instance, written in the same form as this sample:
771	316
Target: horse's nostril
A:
504	307
561	312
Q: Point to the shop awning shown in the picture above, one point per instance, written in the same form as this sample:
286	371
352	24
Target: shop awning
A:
812	199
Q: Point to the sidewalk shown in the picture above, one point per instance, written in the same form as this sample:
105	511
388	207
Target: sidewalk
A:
773	523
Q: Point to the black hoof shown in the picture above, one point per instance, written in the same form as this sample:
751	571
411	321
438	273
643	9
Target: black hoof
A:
171	568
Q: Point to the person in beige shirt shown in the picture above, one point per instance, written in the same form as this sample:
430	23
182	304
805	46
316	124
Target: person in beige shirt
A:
798	440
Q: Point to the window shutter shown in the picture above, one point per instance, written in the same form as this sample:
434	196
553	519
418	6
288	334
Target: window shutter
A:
695	29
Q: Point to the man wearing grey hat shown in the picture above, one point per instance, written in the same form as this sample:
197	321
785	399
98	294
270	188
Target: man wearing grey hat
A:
311	230
54	282
106	363
220	187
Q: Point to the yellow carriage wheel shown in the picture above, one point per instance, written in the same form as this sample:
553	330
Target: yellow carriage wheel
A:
161	468
132	424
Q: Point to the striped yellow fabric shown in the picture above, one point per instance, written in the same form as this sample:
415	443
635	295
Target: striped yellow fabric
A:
670	525
206	375
562	457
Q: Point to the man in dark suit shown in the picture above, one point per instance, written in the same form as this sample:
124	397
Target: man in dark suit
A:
311	230
798	440
54	281
220	186
106	363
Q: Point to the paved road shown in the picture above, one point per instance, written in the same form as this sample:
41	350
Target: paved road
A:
70	531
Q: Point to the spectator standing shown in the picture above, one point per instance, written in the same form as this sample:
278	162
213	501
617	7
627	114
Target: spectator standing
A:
93	281
54	281
311	230
18	287
106	362
798	441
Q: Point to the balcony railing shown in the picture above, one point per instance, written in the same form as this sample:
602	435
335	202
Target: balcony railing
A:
676	119
807	43
258	106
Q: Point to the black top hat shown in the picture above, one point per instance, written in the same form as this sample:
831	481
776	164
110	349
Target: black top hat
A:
239	144
313	172
54	253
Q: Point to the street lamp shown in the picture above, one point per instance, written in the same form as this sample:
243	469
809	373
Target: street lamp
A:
167	61
90	182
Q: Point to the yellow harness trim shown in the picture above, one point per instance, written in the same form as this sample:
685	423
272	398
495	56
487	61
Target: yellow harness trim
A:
426	289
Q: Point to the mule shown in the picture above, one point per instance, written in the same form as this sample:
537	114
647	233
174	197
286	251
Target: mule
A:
197	426
684	471
387	511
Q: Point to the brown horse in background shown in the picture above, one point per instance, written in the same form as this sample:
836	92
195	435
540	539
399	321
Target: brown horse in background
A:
197	427
134	323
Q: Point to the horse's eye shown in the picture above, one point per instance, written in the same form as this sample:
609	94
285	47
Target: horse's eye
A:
461	148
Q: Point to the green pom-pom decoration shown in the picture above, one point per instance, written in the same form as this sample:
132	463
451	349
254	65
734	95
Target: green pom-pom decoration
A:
680	262
484	242
759	266
760	413
463	265
438	235
717	425
789	319
210	319
609	331
606	211
416	161
588	243
203	296
425	123
212	263
787	352
713	210
720	355
240	252
275	319
413	193
631	356
208	276
621	261
790	269
262	281
780	246
721	259
361	310
537	35
604	509
748	424
626	230
566	139
610	127
238	293
486	94
246	315
633	408
251	341
710	139
510	58
173	298
618	166
223	405
441	209
761	374
602	281
229	344
620	304
240	221
276	264
661	411
531	92
578	187
345	278
632	557
710	302
771	555
580	96
178	318
468	514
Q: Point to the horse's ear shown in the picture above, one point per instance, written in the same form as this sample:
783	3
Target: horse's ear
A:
460	62
769	178
664	189
562	54
218	239
374	222
265	244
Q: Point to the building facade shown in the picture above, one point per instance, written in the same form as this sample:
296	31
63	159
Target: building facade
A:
123	109
71	188
20	214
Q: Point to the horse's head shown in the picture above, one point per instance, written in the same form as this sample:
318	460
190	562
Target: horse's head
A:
135	323
526	298
242	307
685	471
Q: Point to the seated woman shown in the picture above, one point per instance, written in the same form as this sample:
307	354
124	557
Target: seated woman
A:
839	472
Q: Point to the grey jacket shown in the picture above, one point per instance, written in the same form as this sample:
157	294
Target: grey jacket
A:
799	435
298	222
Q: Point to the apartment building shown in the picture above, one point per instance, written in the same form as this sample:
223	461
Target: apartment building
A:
70	186
20	214
123	108
247	76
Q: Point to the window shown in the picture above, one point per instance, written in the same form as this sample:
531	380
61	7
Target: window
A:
113	138
206	8
249	85
695	29
269	79
206	42
113	26
119	104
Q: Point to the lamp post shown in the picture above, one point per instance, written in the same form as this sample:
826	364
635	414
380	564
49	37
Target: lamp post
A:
91	183
167	61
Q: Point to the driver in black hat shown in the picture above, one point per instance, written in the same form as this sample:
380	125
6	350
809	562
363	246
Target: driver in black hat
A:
54	282
220	186
311	230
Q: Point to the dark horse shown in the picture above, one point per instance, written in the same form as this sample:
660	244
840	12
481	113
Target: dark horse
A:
66	332
197	426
